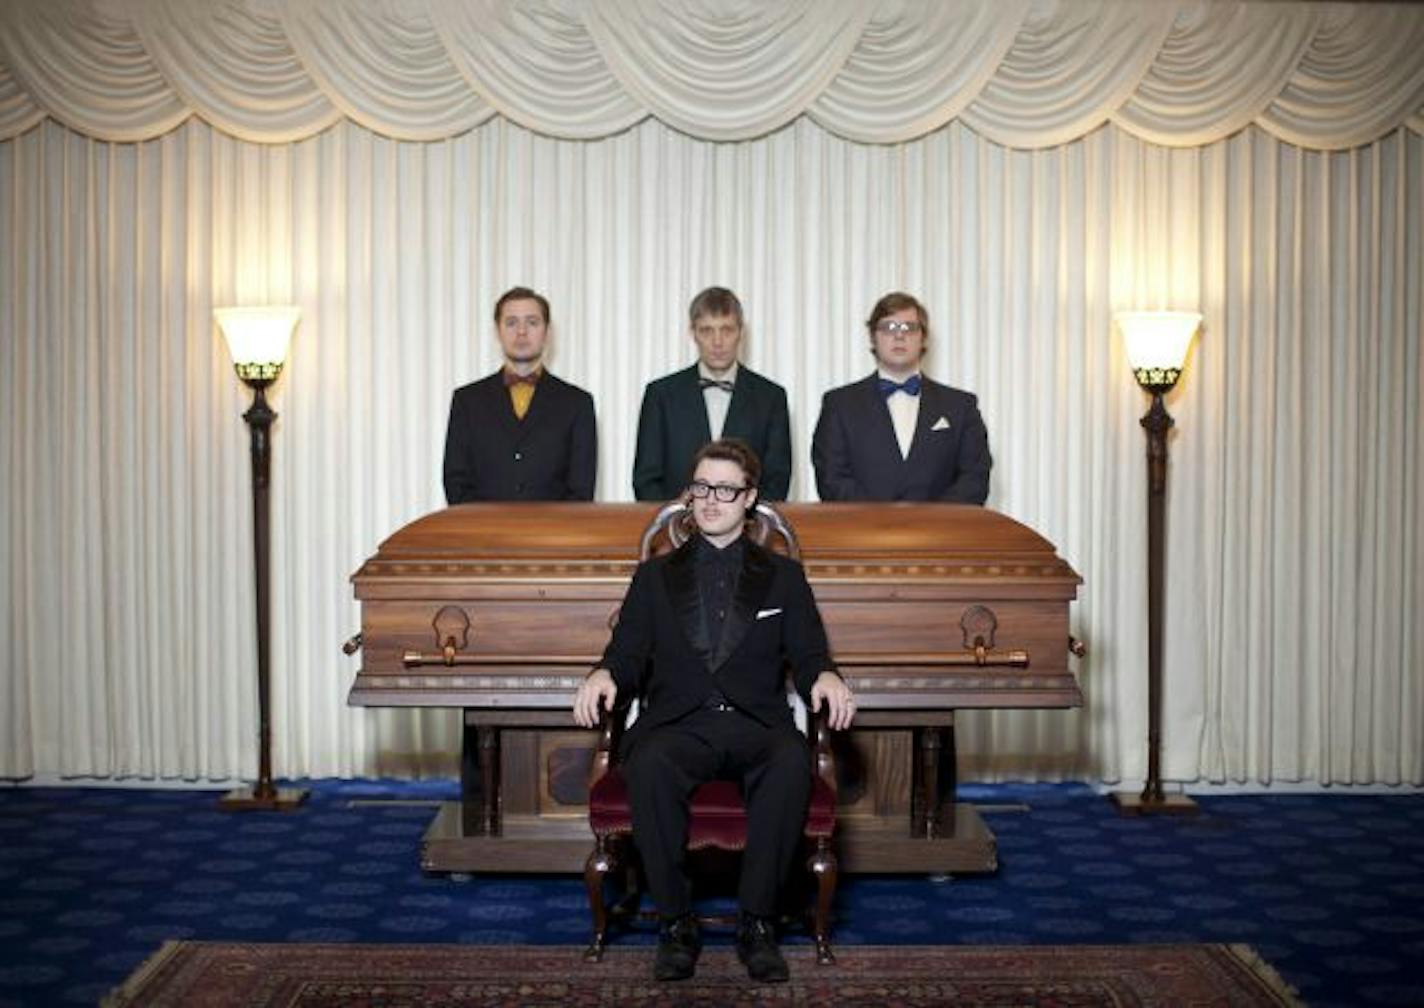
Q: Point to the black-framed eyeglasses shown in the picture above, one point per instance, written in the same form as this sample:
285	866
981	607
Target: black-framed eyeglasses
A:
891	326
723	492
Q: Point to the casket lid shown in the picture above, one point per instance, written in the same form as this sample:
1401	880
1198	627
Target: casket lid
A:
836	540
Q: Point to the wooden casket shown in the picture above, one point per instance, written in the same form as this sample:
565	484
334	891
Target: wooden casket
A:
501	609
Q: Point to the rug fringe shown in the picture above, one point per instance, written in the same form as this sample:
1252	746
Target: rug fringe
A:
1266	973
123	996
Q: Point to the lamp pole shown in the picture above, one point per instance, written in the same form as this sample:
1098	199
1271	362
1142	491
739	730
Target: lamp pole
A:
257	369
1158	344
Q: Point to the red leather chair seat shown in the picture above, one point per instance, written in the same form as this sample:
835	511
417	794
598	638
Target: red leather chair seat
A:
717	819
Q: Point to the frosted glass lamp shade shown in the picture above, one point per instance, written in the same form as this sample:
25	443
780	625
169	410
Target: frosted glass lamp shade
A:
258	338
1157	344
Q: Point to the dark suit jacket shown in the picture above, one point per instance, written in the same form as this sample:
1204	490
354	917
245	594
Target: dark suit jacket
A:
857	457
673	426
659	652
552	454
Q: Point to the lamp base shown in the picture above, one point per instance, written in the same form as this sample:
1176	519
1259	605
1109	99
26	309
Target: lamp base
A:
280	799
1132	803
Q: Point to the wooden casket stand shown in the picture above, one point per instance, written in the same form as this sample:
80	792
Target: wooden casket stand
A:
501	609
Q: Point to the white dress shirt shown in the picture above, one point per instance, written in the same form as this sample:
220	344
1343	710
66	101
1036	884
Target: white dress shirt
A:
904	414
717	400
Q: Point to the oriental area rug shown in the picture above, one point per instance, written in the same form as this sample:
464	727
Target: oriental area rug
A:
228	975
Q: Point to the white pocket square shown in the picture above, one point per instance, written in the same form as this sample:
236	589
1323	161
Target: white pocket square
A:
764	613
940	424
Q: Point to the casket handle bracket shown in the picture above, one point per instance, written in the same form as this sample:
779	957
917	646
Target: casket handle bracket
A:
452	632
979	625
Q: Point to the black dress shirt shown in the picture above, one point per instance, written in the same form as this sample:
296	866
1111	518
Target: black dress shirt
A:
717	571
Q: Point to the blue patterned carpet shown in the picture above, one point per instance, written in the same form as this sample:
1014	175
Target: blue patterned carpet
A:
1328	888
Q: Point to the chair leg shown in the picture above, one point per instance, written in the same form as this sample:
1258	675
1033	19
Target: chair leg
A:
595	870
824	867
626	906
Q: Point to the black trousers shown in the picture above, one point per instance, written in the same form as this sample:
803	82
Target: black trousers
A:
664	768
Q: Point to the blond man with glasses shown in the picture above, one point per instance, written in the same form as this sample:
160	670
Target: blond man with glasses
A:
717	397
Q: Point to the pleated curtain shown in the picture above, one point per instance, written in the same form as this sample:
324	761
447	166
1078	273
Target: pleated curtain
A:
249	153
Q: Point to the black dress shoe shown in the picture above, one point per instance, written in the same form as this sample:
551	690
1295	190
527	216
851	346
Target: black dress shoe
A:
679	942
756	948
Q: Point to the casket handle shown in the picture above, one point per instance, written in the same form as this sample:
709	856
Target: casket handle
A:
449	657
352	645
1076	647
980	657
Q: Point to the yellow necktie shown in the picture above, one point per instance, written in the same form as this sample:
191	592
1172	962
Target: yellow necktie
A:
521	394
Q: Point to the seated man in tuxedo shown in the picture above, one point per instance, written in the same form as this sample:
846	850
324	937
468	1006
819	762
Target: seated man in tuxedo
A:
897	435
520	434
703	638
715	398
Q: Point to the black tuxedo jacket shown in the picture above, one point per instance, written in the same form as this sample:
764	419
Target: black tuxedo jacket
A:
857	457
673	425
659	652
552	454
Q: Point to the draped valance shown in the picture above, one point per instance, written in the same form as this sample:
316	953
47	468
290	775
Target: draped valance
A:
1023	73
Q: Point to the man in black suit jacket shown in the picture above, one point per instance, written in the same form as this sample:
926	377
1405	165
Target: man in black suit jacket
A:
703	638
897	435
521	433
715	398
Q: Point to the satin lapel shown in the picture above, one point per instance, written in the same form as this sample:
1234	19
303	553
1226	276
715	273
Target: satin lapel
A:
752	587
680	575
501	409
881	427
739	409
932	407
693	406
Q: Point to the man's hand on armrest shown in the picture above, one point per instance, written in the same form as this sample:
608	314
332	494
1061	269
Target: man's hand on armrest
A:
597	690
831	691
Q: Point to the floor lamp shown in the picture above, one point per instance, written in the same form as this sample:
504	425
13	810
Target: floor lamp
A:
257	339
1156	343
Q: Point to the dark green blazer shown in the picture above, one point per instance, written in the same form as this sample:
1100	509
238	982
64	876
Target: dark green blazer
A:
673	425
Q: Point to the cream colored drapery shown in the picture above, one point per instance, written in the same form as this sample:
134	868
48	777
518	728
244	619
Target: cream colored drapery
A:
1023	73
391	167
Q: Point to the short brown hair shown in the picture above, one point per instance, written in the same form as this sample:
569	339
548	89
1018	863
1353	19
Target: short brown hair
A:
730	450
714	301
521	294
893	302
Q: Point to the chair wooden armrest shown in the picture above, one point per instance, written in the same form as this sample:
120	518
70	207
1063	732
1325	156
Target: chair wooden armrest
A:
824	756
605	753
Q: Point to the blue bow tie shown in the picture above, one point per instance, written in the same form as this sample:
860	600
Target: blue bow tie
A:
910	386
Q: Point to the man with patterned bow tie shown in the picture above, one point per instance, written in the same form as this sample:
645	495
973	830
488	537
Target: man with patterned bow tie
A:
897	435
705	638
521	433
717	397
